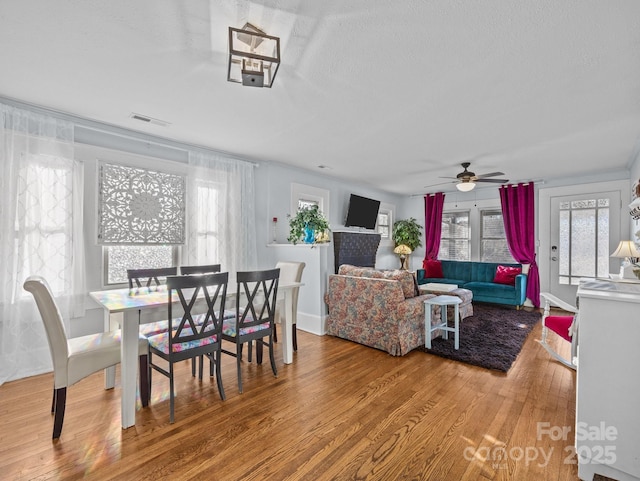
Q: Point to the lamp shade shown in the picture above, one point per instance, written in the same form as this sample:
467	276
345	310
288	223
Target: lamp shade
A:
465	186
254	56
626	249
402	249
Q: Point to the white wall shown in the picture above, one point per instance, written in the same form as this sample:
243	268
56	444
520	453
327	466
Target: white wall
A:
273	199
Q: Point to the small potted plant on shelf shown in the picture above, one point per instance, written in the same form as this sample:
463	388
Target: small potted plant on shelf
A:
407	232
308	225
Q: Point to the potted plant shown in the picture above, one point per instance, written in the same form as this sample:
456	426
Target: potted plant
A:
407	232
308	224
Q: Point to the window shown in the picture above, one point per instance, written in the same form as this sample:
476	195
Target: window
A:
584	239
44	233
120	258
306	204
384	223
207	222
141	219
306	196
455	238
493	240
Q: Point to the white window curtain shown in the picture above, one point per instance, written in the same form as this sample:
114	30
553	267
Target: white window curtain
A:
41	233
220	212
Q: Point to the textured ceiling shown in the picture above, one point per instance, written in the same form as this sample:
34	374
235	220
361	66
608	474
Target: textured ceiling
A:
388	94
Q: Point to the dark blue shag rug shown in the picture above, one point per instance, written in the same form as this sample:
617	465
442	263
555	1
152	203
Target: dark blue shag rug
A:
492	338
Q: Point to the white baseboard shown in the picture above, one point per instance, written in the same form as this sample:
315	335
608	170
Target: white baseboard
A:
314	324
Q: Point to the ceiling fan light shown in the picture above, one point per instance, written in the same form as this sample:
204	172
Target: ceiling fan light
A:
465	186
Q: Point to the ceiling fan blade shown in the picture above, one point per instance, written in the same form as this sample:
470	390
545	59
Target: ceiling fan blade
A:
434	185
492	174
496	181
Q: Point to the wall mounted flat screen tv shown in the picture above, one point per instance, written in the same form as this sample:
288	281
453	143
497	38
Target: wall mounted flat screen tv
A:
362	212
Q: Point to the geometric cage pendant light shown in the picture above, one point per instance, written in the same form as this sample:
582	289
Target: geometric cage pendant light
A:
254	56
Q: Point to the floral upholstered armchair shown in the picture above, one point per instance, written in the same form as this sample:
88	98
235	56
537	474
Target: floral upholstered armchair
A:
377	308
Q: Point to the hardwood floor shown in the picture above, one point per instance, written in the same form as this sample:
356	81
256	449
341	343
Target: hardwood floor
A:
341	411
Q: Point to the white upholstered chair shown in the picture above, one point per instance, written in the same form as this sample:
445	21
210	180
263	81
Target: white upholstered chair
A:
289	272
77	358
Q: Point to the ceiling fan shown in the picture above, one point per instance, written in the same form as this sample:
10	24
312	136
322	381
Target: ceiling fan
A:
466	179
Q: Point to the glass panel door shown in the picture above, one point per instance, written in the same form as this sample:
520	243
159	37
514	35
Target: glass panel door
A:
581	227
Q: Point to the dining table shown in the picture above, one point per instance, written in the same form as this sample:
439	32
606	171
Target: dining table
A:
130	307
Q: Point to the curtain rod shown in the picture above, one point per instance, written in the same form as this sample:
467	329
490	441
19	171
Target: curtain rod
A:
122	132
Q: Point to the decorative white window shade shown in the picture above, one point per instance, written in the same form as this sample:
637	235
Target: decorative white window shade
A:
140	207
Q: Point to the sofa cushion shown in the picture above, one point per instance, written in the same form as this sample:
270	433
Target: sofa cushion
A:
462	270
433	268
349	270
406	279
506	275
490	289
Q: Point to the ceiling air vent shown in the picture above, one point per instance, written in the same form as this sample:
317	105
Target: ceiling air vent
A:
148	120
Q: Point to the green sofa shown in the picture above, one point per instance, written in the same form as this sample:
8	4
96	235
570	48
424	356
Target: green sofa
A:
478	278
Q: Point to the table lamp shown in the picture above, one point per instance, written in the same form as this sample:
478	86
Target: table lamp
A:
627	250
403	251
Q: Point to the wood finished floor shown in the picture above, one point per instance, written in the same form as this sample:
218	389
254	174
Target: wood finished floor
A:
341	411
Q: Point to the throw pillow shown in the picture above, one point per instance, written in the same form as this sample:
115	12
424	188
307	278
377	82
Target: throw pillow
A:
507	275
433	268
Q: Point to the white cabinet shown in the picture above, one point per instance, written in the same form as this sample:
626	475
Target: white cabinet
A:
608	388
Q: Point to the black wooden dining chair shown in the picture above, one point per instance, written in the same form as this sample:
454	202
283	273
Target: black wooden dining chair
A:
206	269
189	334
254	316
147	277
203	269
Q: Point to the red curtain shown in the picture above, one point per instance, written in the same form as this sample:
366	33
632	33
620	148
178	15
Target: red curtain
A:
518	203
432	225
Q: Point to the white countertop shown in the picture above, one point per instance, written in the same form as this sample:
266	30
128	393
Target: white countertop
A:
621	289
